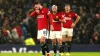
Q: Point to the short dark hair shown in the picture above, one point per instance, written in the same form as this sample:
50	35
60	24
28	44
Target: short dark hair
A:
38	2
67	4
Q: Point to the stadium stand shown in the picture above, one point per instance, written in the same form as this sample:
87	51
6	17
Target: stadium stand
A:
15	23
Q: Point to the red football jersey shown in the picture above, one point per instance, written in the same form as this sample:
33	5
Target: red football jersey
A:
42	18
56	22
68	17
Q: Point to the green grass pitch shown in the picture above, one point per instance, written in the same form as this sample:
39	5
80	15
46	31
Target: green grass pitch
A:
39	54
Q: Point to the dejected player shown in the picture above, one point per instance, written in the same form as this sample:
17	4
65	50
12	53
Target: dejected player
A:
55	34
67	18
43	14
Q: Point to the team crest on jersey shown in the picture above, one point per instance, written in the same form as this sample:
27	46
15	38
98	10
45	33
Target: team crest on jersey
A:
69	15
56	16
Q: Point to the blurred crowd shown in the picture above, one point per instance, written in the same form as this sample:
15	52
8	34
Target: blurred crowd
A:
16	25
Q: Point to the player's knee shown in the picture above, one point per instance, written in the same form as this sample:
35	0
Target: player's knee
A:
59	41
53	41
42	40
63	38
69	38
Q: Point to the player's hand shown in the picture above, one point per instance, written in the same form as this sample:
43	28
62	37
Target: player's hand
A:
73	25
42	39
37	11
51	27
63	21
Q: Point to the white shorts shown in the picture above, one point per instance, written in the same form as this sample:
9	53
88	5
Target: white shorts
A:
55	34
67	31
43	32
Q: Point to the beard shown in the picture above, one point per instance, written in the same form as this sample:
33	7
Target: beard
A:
67	11
54	11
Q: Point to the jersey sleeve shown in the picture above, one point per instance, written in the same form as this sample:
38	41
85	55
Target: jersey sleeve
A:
74	15
33	14
61	15
50	16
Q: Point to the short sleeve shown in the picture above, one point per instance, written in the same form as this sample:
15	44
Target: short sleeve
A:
74	15
60	15
48	11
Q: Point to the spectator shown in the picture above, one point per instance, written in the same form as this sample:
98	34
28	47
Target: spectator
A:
6	30
17	34
96	38
15	11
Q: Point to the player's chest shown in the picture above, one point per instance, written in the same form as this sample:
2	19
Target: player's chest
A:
67	16
55	15
42	14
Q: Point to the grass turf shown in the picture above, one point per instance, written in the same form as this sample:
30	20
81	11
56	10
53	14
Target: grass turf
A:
39	54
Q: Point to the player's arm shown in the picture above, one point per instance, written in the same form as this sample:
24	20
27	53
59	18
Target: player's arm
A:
62	20
77	19
61	17
34	13
51	20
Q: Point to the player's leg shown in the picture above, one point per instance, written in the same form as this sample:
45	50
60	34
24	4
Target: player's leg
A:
44	46
59	40
53	38
69	42
63	44
42	38
64	38
69	39
46	33
42	41
54	46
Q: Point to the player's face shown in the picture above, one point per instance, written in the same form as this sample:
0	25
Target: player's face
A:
37	6
67	8
54	9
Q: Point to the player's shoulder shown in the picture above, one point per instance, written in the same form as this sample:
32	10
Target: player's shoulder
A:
61	13
44	8
57	13
72	12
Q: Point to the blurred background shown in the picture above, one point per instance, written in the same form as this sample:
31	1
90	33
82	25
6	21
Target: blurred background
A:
16	26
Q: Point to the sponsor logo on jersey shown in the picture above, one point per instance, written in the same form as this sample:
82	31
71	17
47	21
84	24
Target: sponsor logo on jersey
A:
40	16
67	18
56	16
63	16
